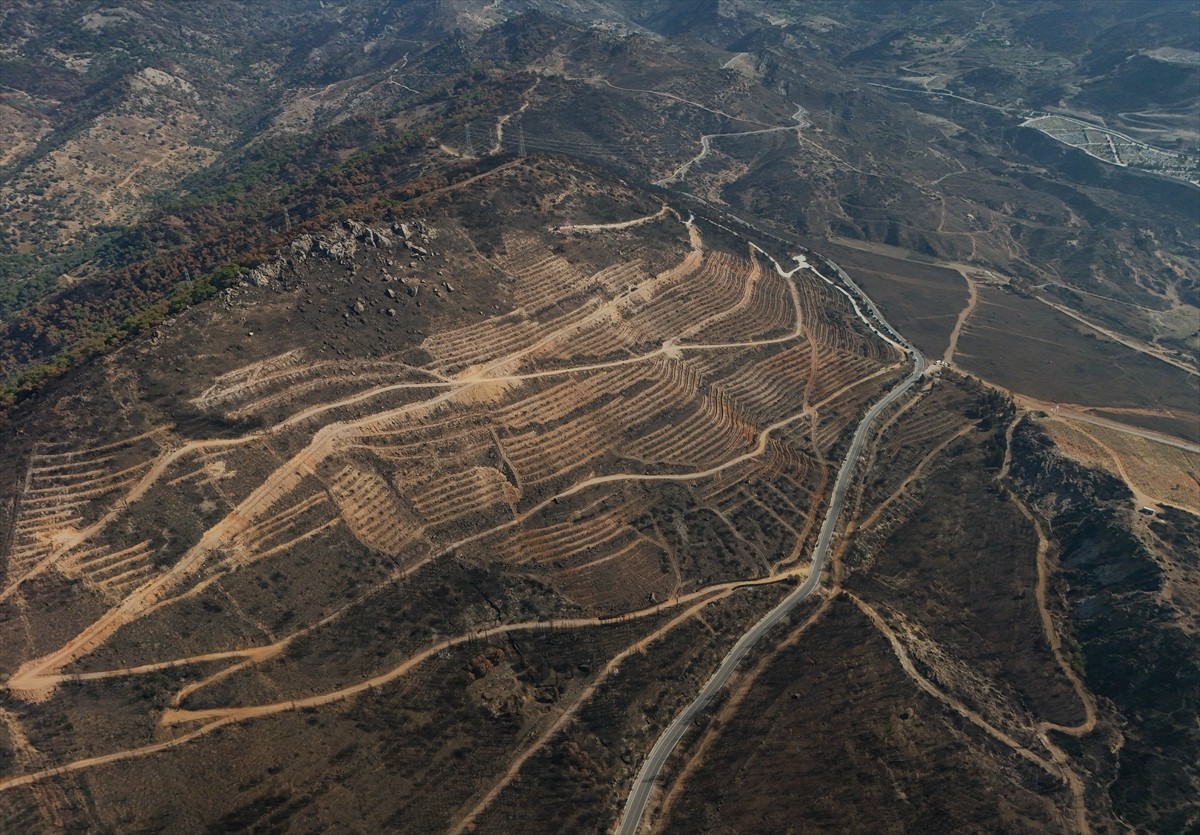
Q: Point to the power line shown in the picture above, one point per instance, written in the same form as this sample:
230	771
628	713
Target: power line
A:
583	143
563	147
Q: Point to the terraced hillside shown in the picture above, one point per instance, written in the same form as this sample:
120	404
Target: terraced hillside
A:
370	463
611	423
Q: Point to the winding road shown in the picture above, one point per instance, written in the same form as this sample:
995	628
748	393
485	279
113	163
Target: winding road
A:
647	777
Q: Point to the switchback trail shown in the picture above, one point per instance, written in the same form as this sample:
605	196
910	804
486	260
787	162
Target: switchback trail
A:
706	146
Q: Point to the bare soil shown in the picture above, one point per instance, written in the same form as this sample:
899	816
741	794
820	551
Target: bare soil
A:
920	298
1029	348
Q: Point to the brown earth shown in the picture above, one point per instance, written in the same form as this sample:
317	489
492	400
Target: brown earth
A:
1031	349
933	669
834	736
401	440
920	298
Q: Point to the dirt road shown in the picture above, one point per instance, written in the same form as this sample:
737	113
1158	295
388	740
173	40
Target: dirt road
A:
647	777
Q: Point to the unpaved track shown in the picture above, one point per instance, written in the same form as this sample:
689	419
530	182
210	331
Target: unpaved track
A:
1128	342
647	777
104	759
706	147
216	719
706	139
240	714
679	99
623	224
37	678
972	300
468	820
1140	498
495	149
917	473
1059	762
1078	413
1043	581
1055	766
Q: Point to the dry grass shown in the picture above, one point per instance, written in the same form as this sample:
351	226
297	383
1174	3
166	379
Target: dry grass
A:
1154	472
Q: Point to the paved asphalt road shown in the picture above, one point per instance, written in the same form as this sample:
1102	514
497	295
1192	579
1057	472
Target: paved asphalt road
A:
639	797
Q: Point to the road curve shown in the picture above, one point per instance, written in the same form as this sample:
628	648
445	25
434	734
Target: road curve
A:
643	785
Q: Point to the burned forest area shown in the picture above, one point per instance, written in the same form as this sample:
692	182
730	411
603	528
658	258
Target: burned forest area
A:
535	417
